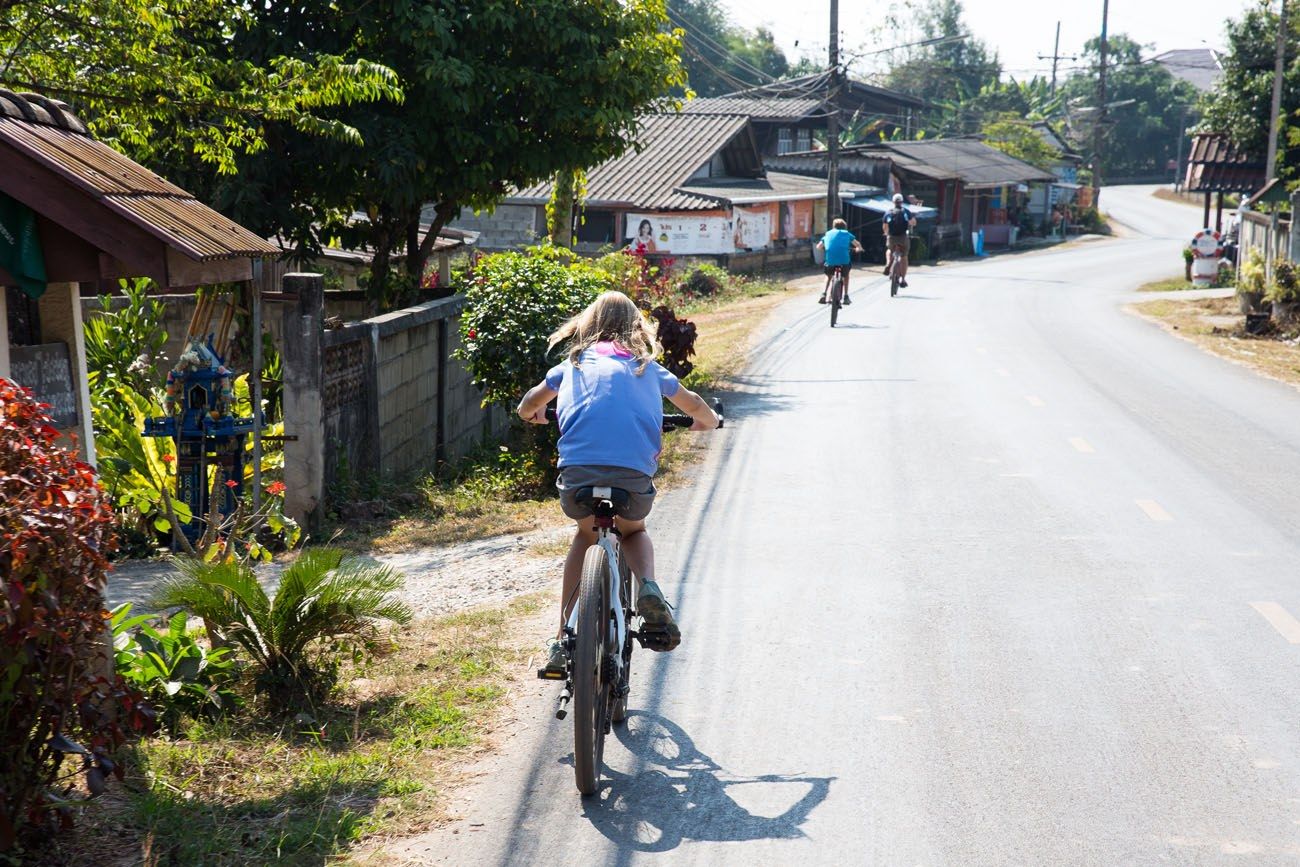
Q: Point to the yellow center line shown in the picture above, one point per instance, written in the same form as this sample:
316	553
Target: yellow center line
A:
1081	444
1154	510
1034	400
1280	619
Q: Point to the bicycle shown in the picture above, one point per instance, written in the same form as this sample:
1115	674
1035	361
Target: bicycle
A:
836	293
598	635
894	277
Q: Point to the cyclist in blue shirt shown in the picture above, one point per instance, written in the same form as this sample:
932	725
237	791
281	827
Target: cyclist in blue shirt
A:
839	245
609	393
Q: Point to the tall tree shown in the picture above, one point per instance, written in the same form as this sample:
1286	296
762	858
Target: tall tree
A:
951	71
721	57
153	75
1144	120
1240	104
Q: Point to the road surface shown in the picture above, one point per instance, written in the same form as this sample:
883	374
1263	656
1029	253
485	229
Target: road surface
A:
994	573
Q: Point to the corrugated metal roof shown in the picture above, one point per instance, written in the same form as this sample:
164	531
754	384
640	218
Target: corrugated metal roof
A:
671	147
975	163
756	107
49	134
1199	67
1216	165
776	187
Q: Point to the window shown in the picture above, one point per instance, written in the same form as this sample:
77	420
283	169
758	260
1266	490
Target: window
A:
596	227
803	140
784	141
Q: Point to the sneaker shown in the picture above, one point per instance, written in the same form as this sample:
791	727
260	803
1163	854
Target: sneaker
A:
902	284
657	618
557	662
886	271
847	301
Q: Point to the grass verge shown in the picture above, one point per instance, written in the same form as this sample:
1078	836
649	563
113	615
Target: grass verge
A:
1170	284
249	792
1216	325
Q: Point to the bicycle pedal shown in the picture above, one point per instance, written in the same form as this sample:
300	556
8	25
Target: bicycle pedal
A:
547	674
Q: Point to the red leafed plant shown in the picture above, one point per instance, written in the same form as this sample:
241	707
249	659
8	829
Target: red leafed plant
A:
677	337
57	694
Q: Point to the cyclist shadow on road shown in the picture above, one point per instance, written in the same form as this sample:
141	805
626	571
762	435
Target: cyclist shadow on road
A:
688	796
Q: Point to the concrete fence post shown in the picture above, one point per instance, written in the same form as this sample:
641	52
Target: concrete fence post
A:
304	456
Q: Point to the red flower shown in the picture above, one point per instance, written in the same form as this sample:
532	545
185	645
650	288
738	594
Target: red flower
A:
275	488
472	333
167	459
231	483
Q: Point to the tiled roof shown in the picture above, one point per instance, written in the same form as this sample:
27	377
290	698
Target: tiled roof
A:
48	133
670	148
756	107
973	162
1215	164
776	187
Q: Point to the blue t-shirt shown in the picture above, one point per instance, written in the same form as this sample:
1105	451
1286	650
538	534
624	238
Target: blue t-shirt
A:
839	245
608	415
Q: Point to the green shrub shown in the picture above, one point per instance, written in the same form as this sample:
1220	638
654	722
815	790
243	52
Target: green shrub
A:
1285	285
175	673
704	281
328	605
513	303
1253	274
56	698
123	346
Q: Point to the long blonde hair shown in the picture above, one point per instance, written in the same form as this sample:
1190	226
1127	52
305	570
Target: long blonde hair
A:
611	317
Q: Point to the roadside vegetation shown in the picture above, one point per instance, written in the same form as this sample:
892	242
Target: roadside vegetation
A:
706	314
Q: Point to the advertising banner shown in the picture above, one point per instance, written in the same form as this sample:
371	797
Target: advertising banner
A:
679	234
751	228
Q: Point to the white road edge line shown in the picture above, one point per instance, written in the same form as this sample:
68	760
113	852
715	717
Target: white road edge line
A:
1154	510
1280	619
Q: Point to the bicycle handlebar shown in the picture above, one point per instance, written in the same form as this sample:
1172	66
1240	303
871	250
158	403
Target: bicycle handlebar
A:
671	420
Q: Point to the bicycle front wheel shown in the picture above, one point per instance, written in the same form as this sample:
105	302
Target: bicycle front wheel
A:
590	678
837	294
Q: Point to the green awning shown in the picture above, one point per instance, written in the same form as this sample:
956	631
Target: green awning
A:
20	247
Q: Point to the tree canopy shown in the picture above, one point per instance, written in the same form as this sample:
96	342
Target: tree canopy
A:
951	71
1241	103
721	57
141	72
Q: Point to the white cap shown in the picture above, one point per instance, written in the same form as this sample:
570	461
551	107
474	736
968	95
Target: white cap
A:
898	197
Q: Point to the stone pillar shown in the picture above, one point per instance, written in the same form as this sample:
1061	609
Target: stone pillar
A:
60	308
304	457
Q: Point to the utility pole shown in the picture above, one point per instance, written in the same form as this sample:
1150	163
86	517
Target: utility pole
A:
833	121
1098	129
1270	167
1057	56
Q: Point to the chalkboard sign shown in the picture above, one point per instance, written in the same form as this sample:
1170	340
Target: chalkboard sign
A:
47	371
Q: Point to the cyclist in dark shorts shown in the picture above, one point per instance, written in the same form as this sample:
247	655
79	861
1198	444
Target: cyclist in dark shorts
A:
896	225
839	246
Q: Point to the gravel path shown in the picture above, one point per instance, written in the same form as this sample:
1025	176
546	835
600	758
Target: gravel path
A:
438	580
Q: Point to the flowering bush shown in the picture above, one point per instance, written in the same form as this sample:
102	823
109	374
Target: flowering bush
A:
57	695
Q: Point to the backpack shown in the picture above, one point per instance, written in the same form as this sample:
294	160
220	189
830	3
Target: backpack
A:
897	221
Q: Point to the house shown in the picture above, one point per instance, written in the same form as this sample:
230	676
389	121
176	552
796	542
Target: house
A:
786	115
73	211
696	185
1199	67
1045	199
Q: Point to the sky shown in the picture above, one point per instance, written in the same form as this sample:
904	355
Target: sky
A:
1019	30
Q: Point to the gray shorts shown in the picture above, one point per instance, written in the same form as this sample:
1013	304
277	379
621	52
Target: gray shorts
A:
639	486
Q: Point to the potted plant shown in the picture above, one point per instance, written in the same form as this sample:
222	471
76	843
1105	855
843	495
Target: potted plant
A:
1284	292
1188	256
1251	286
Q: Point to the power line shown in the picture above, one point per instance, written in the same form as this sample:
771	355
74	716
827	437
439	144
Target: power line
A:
720	50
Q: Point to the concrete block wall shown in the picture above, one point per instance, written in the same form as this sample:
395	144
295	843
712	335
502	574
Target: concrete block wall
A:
408	395
509	227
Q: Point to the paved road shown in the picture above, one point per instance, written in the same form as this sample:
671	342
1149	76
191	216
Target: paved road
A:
995	573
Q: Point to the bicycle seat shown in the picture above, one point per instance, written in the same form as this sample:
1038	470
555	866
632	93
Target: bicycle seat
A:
596	495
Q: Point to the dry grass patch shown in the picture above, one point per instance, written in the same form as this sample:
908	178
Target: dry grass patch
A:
252	791
1216	324
1170	284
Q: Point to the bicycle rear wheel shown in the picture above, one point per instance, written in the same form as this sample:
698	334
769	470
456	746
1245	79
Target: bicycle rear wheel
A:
837	293
618	701
893	284
590	677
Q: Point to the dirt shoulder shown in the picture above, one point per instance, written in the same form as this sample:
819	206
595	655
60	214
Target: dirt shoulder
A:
1217	325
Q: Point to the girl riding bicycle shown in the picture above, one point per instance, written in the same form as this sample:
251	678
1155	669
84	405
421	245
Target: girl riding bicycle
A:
609	395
